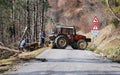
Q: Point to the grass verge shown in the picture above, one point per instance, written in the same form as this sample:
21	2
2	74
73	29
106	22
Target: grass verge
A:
91	49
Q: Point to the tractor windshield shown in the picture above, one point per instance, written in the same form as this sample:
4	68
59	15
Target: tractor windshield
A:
68	31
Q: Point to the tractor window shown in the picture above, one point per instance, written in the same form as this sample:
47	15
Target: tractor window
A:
57	30
64	31
70	31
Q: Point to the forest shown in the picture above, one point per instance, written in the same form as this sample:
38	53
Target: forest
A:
22	18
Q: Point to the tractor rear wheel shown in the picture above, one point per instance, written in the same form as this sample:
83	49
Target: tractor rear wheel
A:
61	42
82	44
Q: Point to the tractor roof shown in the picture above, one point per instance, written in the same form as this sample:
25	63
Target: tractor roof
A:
65	26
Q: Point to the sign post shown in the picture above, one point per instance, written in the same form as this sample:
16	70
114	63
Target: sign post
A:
95	29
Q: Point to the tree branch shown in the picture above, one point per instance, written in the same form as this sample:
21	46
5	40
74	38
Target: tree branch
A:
108	5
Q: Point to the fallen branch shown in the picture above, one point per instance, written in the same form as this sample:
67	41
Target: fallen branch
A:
7	52
8	49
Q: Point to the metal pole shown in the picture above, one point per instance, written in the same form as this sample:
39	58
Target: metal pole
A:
94	41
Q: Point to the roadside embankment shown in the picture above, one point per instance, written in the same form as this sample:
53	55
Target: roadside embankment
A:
107	43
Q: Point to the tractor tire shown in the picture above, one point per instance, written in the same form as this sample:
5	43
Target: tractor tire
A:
54	46
74	46
82	44
61	42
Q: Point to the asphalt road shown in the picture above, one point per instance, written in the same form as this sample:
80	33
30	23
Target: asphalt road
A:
68	62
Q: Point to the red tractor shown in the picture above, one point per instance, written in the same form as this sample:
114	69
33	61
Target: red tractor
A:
62	36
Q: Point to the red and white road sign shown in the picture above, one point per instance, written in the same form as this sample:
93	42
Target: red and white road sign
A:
95	27
95	20
95	30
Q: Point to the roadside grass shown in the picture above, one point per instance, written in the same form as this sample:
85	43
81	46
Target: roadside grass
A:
91	49
114	54
94	50
111	53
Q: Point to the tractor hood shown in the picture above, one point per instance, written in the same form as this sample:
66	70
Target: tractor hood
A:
78	37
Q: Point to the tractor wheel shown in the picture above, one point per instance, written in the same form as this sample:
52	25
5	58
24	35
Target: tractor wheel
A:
61	42
82	44
74	46
54	46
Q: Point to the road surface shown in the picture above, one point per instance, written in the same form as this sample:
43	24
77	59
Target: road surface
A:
69	62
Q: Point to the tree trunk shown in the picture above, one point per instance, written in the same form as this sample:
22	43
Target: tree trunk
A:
36	23
42	25
13	20
28	22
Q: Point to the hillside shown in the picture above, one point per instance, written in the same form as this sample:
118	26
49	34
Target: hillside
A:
78	13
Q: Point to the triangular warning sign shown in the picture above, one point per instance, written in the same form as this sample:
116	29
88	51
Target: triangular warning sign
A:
95	20
95	27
